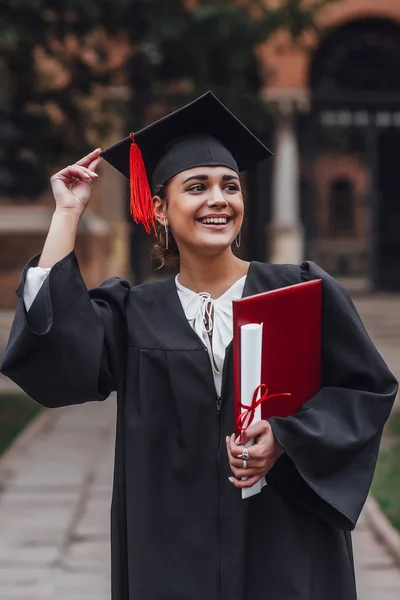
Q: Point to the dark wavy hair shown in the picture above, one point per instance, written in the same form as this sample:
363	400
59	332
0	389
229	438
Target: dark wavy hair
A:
159	253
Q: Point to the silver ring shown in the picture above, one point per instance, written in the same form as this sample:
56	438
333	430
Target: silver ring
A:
245	454
244	465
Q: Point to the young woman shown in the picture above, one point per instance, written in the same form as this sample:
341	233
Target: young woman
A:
180	528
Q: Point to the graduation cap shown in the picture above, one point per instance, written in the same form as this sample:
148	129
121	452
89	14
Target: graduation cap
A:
202	133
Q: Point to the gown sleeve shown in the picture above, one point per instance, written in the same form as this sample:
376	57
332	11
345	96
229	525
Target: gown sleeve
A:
69	347
332	443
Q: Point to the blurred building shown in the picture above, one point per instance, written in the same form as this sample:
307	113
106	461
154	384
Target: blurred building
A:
336	179
332	192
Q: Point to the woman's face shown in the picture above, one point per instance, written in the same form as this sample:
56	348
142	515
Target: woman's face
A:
204	209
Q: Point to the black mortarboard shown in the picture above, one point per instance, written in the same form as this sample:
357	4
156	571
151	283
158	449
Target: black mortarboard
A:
202	133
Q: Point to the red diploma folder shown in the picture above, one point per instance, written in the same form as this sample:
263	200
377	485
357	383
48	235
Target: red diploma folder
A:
291	345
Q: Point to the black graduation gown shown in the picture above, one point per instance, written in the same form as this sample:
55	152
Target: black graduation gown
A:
180	530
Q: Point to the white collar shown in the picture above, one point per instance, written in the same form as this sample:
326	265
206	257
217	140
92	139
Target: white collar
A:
226	294
204	306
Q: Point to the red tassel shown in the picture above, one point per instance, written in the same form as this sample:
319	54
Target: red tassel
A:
141	200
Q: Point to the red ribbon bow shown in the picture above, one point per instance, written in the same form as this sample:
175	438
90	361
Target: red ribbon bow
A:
246	417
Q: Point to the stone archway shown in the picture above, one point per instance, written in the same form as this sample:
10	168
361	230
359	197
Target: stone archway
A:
360	56
355	131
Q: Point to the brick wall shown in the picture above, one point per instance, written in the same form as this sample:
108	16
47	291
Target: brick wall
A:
286	68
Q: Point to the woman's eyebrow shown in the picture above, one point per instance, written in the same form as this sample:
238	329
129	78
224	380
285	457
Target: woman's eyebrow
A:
205	177
229	177
198	177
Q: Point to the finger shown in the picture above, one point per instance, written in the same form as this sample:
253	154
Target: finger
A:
95	163
255	431
71	176
239	473
239	483
76	171
88	171
237	463
86	160
236	451
229	450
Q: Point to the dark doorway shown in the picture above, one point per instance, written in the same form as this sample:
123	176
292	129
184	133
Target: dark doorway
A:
341	207
388	211
354	127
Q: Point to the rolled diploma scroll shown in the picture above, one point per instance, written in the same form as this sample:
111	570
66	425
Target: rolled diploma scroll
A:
250	376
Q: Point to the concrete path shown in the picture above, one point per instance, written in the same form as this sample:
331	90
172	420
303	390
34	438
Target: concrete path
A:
54	509
378	577
55	501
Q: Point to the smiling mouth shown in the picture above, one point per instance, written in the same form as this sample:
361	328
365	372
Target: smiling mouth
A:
214	220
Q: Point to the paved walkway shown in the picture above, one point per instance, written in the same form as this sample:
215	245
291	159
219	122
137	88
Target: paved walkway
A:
378	577
54	509
54	506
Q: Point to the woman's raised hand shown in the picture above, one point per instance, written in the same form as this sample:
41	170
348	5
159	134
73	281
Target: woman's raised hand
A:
72	186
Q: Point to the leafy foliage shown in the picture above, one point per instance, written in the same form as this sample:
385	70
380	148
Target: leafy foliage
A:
16	411
58	62
386	483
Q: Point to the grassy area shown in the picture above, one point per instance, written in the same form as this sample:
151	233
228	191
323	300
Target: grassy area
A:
16	410
386	484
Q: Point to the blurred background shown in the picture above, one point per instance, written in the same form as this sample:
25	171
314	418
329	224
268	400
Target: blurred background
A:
318	81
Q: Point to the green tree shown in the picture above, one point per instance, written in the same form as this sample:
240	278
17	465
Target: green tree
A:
57	61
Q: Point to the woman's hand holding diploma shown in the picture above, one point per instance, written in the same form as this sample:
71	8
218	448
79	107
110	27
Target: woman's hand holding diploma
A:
72	187
263	454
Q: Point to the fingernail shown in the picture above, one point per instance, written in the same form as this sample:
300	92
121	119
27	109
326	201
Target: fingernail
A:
227	439
94	174
237	441
230	479
87	175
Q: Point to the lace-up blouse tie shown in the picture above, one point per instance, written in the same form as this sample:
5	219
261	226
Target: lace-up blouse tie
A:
212	321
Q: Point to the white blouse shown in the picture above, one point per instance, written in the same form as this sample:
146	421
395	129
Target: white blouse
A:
35	277
211	319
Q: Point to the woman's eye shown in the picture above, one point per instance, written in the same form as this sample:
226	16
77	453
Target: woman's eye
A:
197	188
232	188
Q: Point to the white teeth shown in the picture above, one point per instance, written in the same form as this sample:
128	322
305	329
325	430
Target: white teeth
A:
214	220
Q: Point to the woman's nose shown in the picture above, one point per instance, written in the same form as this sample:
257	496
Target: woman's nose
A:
216	198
